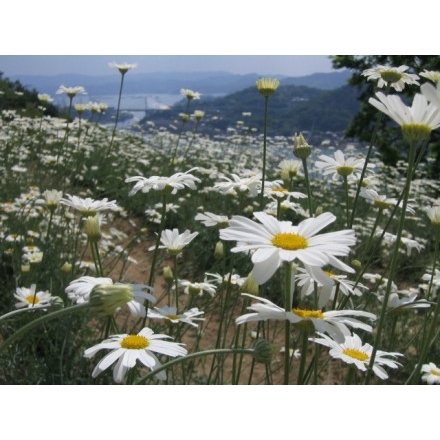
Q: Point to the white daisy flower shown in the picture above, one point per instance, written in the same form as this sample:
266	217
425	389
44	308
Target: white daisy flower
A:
192	288
229	278
432	75
338	165
273	242
277	192
431	93
381	201
417	121
327	282
172	184
44	97
433	213
431	374
128	349
170	314
289	169
353	352
123	67
79	290
409	243
52	198
89	207
400	304
210	219
335	322
190	94
250	186
396	77
174	242
71	92
30	298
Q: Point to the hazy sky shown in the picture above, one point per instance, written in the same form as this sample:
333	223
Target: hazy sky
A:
289	65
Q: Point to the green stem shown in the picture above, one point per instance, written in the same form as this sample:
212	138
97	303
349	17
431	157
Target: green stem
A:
117	114
394	257
309	189
303	358
347	201
367	160
428	340
266	100
188	357
38	321
287	308
156	247
27	309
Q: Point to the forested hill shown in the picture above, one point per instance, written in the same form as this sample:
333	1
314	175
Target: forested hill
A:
291	108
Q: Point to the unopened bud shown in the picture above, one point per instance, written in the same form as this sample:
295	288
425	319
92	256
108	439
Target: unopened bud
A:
57	302
319	210
219	250
356	264
66	267
93	229
301	148
106	298
262	351
168	274
250	286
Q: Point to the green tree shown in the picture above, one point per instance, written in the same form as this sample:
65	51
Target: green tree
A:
389	140
15	96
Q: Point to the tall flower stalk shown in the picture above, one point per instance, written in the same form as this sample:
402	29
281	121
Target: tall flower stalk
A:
266	87
184	117
302	150
123	69
416	123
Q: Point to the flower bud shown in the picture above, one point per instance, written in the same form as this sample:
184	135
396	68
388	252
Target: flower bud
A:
198	114
66	267
319	210
219	250
184	117
250	286
93	229
356	264
106	298
301	148
262	351
168	275
25	268
267	86
57	302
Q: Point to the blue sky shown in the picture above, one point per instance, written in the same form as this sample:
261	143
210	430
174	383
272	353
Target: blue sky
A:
289	65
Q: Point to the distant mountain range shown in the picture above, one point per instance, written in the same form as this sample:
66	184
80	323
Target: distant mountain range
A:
173	82
292	109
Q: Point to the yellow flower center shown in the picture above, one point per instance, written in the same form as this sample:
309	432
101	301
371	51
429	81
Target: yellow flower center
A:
172	317
307	314
88	212
381	204
328	273
289	241
344	170
355	354
391	76
279	190
32	299
416	132
435	372
135	342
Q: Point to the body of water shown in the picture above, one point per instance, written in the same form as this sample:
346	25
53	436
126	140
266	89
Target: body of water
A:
130	102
